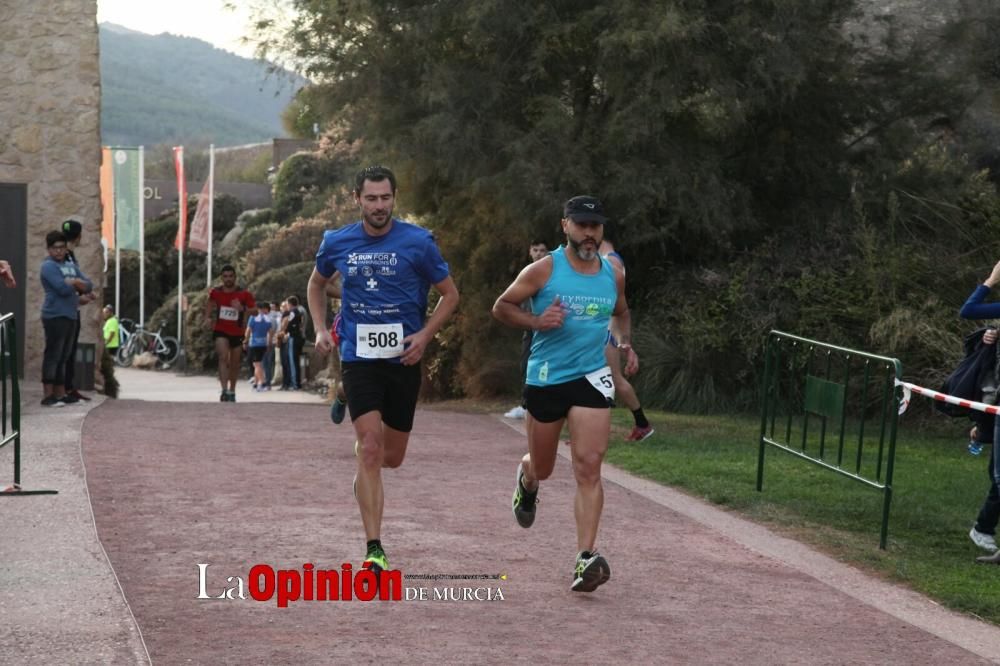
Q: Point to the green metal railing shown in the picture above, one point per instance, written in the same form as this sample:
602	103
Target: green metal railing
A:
10	404
832	406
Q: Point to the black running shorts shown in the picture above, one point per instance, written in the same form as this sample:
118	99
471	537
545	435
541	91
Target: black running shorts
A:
380	386
257	354
234	340
548	404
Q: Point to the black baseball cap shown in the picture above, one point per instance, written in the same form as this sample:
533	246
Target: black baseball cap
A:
72	229
584	209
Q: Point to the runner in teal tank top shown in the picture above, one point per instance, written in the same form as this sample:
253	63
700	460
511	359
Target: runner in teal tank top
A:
576	348
575	294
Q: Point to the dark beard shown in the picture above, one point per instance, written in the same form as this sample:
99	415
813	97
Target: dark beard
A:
375	225
585	255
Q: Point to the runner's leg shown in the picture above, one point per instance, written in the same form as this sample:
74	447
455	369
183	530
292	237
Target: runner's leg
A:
589	428
222	353
371	455
235	354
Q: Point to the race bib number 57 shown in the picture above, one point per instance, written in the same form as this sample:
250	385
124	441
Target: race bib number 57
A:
379	340
603	382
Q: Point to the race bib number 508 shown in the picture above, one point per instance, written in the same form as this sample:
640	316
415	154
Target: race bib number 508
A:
379	340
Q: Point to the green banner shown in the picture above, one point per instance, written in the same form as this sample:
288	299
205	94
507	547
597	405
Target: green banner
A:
128	189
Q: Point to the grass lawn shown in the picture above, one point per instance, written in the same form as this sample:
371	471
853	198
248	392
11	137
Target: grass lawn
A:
938	488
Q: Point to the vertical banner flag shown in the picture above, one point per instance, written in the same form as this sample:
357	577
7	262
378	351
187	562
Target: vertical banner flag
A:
198	240
126	178
107	200
182	199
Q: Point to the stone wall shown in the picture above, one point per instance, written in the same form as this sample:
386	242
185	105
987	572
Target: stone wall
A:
50	140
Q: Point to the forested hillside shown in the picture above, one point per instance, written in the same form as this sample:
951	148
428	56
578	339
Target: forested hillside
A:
169	89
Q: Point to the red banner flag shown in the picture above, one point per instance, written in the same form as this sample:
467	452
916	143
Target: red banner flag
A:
107	199
181	197
198	240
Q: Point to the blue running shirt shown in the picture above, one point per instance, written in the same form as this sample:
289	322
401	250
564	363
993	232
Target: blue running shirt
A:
577	348
259	325
385	284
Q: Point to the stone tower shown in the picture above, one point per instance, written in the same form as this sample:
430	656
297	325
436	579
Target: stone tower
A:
50	153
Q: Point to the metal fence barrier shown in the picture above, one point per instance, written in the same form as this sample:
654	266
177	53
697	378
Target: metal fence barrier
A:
10	405
832	406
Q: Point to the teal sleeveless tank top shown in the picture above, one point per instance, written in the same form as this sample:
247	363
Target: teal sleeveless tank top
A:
577	348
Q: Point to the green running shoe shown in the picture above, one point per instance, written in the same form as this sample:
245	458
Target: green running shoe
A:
591	571
523	501
376	559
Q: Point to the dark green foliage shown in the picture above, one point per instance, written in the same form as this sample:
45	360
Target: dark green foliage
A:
253	237
302	179
253	219
289	245
277	284
766	164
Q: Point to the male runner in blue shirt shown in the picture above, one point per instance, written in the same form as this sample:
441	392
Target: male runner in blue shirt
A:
387	266
575	294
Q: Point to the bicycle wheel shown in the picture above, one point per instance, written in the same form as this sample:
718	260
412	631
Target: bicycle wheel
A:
126	354
167	350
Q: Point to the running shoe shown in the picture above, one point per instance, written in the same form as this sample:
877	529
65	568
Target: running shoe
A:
524	501
376	559
224	396
516	413
337	411
232	396
52	401
79	396
638	434
982	539
591	571
69	399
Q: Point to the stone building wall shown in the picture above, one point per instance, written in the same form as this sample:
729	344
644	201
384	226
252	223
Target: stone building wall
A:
50	140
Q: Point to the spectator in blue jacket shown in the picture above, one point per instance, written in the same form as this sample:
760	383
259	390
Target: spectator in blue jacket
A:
983	532
63	282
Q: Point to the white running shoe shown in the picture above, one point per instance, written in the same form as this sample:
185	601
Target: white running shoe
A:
984	541
516	413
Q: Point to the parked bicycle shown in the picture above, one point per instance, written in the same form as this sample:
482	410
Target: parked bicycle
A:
142	340
126	328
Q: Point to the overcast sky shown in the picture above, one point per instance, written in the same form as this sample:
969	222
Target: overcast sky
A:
204	19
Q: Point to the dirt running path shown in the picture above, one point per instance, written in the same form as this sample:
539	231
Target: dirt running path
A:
239	485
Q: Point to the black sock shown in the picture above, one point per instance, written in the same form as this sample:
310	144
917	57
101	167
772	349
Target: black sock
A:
585	554
640	418
374	543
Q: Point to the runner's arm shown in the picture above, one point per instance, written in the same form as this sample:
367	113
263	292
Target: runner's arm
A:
529	282
621	326
318	302
333	287
446	305
209	308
